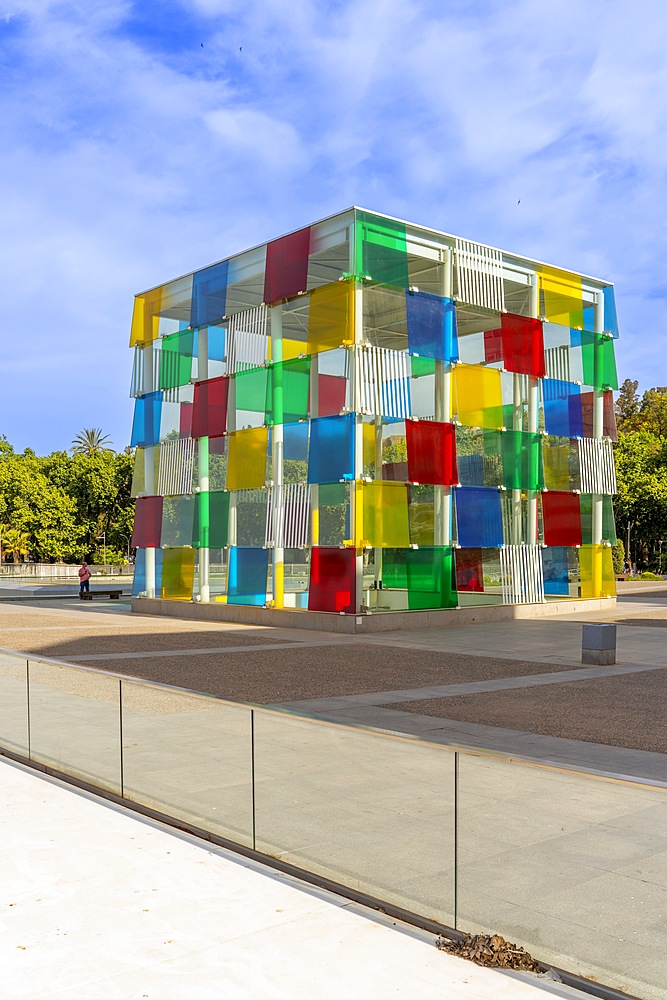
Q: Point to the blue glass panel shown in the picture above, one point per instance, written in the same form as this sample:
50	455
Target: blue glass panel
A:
331	453
589	318
217	342
610	317
248	569
479	517
431	326
556	576
146	423
575	337
295	441
139	583
209	294
562	408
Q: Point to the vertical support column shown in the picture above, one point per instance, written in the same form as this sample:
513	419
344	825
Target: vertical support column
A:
231	426
442	495
357	489
203	496
278	558
149	467
517	425
377	552
598	430
533	415
314	489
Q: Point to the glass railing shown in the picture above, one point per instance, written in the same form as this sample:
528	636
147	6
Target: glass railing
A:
571	865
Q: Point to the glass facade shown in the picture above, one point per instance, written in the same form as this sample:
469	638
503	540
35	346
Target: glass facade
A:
367	415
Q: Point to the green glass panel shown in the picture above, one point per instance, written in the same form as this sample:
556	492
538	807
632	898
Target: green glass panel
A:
431	578
251	389
395	568
608	522
523	468
211	522
178	520
176	359
599	360
422	366
289	387
381	250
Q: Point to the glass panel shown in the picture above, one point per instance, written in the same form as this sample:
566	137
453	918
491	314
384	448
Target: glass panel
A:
178	515
211	523
331	453
332	583
599	360
478	517
251	389
565	844
421	513
330	317
14	703
146	317
139	580
478	457
610	318
561	464
556	568
146	471
562	297
288	391
469	570
562	408
245	280
561	518
385	514
431	326
608	525
369	811
287	266
428	573
521	345
246	468
608	416
178	574
147	522
185	423
522	460
75	722
209	415
188	756
431	448
248	569
176	359
477	396
596	571
146	422
209	294
333	513
381	250
295	450
251	508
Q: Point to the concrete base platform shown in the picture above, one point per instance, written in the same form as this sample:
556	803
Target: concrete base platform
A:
366	624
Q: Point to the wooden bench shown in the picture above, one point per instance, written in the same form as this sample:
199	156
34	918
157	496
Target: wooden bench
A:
88	595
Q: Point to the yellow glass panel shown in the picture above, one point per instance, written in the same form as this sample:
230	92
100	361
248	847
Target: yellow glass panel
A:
246	463
292	349
146	317
146	471
596	571
178	574
368	438
556	466
330	316
477	399
562	297
386	515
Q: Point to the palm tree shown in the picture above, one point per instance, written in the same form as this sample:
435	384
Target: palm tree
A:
16	542
91	441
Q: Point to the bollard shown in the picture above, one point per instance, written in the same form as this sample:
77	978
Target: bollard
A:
598	644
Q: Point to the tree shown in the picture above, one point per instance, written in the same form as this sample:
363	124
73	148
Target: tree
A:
627	406
16	542
91	441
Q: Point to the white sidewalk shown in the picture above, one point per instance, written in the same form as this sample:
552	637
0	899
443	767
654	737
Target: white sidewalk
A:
98	903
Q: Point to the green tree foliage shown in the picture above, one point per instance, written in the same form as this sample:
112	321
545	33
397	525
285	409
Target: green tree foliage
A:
91	441
63	502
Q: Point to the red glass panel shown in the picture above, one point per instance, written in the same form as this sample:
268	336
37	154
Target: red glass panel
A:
493	346
332	580
185	428
395	472
561	516
431	452
331	391
209	416
147	523
469	570
608	415
287	266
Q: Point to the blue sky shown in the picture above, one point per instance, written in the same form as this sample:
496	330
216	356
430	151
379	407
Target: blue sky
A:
142	140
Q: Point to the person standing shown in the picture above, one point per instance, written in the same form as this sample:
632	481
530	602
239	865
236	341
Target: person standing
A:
84	577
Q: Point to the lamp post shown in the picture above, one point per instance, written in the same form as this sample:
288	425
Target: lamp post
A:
104	536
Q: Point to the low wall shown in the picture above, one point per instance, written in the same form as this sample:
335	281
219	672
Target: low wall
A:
365	624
